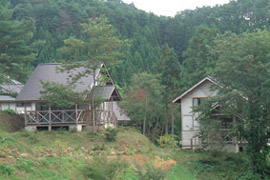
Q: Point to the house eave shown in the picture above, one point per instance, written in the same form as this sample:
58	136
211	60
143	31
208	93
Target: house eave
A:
178	99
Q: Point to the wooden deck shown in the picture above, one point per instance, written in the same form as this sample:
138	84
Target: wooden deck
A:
68	117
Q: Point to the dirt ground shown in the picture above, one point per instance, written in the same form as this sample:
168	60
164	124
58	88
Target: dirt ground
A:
11	122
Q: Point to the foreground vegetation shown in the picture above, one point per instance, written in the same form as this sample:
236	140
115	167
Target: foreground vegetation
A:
128	156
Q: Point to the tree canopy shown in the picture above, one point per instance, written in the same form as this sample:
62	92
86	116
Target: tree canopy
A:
242	71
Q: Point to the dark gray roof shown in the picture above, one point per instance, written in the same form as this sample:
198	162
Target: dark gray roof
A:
50	73
119	113
6	98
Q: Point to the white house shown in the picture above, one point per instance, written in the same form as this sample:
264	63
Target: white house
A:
8	92
190	126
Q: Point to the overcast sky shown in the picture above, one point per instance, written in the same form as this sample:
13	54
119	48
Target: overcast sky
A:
171	7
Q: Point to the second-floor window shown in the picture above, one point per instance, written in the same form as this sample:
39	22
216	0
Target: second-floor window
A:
197	101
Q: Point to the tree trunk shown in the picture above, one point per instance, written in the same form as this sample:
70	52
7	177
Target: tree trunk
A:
172	118
144	121
166	119
93	104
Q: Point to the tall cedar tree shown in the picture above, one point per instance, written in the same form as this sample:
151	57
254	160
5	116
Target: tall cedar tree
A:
170	78
197	59
16	51
100	44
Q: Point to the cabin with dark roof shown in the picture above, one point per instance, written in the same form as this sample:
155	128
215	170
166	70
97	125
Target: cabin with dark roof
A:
38	114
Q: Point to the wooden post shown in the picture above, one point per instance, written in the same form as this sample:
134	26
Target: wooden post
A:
235	142
192	146
76	111
115	120
25	116
50	118
109	111
103	114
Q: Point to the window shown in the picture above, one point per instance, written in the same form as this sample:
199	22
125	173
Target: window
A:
22	104
197	101
226	123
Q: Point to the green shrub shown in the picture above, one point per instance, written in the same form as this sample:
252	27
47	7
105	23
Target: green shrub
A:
167	141
102	168
5	139
9	111
27	165
249	175
6	170
24	133
110	134
72	130
179	171
99	147
152	173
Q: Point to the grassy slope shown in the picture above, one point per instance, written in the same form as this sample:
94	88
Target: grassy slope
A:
66	155
214	165
63	155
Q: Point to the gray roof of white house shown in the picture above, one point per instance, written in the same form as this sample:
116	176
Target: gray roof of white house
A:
6	98
50	73
105	91
119	113
178	99
11	88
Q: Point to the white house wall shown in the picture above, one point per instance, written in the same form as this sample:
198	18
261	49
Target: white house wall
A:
189	125
7	105
20	110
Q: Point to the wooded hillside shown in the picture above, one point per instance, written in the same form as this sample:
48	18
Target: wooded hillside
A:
57	20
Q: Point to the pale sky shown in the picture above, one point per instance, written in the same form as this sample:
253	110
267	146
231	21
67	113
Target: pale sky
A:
171	7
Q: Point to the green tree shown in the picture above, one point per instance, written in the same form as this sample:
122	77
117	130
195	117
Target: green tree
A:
100	44
16	50
142	101
197	58
60	95
242	70
170	78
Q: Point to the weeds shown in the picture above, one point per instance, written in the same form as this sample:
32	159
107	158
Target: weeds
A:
167	141
6	170
110	134
102	168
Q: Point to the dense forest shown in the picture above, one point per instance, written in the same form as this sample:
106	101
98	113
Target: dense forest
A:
164	56
50	22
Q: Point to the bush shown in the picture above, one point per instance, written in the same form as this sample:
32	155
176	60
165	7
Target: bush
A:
99	147
167	141
110	134
102	168
152	173
6	169
9	111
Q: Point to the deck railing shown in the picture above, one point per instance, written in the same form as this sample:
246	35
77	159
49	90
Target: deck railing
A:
55	117
79	116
